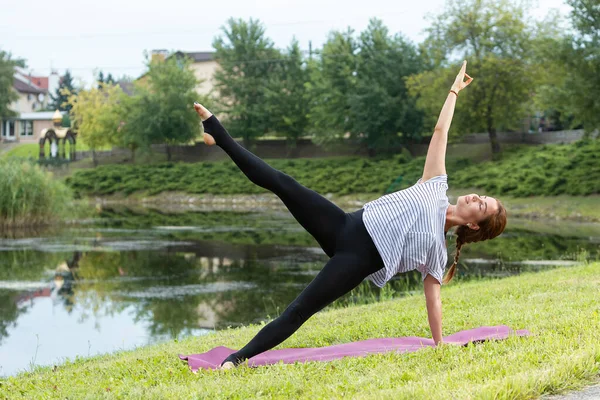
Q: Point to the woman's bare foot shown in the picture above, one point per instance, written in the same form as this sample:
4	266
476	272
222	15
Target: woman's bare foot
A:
227	365
204	115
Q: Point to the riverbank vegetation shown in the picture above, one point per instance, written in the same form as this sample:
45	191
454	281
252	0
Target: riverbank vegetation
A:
30	196
548	170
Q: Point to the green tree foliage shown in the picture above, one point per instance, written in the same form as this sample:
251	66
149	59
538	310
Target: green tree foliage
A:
498	42
247	58
7	71
332	82
96	116
572	84
357	88
380	105
60	99
161	109
287	97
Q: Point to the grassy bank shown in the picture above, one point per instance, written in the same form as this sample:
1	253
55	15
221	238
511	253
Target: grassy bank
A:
32	150
558	306
571	208
549	170
562	207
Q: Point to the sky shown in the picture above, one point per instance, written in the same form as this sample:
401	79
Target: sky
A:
112	35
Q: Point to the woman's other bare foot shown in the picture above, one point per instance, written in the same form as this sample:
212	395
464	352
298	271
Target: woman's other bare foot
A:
204	115
227	365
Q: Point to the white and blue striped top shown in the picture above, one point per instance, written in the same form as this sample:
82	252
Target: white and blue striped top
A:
407	228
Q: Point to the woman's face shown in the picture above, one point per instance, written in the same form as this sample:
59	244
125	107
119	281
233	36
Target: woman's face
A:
473	208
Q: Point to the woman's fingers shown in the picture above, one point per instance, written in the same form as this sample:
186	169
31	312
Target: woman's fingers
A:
202	111
469	80
463	68
460	78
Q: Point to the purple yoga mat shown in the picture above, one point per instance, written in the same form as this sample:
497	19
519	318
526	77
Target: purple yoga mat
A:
213	358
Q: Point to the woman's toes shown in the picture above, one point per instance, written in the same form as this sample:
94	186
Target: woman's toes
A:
208	139
227	365
202	111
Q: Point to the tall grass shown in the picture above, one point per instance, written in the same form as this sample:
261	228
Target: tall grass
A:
30	196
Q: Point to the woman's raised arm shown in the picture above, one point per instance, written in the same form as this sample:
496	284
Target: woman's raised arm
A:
435	164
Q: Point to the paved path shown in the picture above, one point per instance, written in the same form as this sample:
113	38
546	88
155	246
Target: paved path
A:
4	147
590	393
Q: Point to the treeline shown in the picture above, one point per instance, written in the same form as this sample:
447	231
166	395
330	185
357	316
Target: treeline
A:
384	90
373	86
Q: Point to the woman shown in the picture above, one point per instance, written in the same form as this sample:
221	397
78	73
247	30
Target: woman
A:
398	232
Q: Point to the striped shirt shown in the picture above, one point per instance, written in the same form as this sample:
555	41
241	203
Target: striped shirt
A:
407	227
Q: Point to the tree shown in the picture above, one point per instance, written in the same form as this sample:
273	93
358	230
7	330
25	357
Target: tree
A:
7	72
60	99
96	116
332	82
161	110
246	58
286	95
382	110
572	85
101	79
498	43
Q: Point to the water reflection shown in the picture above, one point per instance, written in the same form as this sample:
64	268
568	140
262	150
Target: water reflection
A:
130	278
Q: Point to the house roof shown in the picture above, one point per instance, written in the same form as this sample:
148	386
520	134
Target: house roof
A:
40	81
126	87
25	87
198	56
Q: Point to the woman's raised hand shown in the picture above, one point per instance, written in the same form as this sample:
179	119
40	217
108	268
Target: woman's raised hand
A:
460	83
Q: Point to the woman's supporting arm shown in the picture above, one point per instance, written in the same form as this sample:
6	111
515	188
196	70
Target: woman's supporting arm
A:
434	307
435	163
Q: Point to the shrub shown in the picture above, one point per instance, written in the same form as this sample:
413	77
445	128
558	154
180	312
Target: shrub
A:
29	195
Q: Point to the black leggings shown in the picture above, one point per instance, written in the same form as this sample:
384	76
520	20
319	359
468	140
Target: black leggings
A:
341	235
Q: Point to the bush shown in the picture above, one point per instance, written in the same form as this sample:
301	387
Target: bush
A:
548	170
534	170
30	196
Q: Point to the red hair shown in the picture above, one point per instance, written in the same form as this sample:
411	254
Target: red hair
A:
488	229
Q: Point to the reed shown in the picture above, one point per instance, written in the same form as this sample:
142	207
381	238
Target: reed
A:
29	196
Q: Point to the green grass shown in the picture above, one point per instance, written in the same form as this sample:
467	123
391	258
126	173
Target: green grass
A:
582	208
29	195
32	150
522	172
559	307
544	208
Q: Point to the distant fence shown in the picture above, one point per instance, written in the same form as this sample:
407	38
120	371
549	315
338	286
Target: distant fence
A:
305	148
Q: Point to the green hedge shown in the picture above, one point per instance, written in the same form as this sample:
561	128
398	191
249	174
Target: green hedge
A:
534	170
547	170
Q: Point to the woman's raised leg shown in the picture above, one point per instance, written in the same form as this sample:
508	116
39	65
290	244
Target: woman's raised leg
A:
320	217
